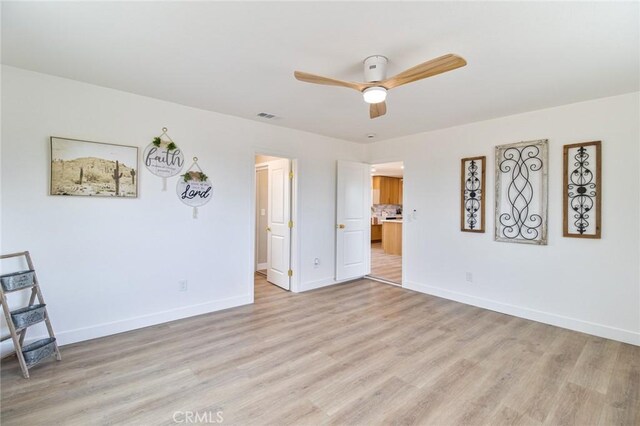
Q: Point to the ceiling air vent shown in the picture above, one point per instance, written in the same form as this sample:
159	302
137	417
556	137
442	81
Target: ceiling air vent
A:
266	115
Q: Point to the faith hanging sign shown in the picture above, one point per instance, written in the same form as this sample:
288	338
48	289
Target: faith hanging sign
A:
194	189
163	158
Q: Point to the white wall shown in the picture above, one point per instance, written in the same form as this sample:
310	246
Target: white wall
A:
113	265
109	265
587	285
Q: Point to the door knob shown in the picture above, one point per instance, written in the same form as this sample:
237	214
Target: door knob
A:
268	229
341	226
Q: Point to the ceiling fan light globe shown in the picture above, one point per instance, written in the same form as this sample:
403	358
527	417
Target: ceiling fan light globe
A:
374	95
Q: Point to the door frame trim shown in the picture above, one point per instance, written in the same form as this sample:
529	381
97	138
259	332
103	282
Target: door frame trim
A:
294	249
258	167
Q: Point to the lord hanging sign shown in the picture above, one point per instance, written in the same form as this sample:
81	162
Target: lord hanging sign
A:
194	189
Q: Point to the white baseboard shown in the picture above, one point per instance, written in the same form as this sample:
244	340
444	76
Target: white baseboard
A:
115	327
261	267
626	336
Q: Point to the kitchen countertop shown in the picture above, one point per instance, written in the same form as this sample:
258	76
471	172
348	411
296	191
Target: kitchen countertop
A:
392	220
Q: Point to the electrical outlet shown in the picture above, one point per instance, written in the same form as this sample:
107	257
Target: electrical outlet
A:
469	277
316	262
183	285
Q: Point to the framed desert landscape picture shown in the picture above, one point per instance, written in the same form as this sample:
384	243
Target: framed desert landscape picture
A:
93	169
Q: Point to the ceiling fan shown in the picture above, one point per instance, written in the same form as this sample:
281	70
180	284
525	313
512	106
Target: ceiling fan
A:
375	89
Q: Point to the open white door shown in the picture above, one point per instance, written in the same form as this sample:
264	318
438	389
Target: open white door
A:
279	215
353	225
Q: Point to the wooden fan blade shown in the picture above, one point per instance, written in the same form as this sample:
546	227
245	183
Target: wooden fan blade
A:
426	69
318	79
376	110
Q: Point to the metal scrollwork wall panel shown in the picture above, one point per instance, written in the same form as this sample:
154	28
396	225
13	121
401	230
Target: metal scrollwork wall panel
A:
472	194
521	192
582	190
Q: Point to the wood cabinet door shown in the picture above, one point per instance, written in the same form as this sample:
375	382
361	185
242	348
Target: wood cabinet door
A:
375	192
394	191
386	190
376	232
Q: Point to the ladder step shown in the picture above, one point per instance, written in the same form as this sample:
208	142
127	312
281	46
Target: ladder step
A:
25	317
17	281
18	330
37	351
18	320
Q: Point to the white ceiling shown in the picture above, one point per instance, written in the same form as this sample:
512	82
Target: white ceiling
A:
394	169
238	58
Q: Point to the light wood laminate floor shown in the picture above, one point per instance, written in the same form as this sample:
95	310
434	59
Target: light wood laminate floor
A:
359	353
386	266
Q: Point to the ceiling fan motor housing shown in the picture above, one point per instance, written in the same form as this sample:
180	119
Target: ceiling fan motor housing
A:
375	68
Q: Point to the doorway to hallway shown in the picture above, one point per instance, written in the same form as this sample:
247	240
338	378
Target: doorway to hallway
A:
273	231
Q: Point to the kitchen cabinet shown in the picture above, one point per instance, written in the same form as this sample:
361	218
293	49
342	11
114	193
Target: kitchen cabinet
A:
376	233
386	190
392	237
375	189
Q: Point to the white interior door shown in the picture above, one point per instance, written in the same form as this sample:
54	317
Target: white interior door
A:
353	220
279	215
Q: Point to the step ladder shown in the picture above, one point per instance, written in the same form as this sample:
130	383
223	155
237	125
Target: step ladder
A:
19	320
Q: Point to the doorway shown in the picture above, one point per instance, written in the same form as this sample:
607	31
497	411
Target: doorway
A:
387	184
273	221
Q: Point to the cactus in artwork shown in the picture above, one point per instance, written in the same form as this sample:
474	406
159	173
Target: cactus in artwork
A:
133	177
81	174
116	177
